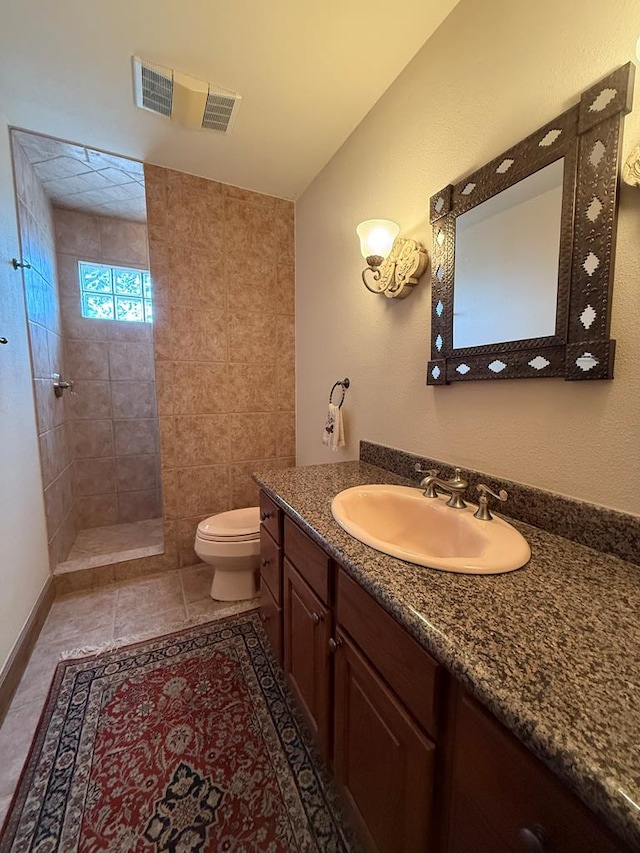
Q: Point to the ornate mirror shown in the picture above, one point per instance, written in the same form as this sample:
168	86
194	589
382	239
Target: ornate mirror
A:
523	251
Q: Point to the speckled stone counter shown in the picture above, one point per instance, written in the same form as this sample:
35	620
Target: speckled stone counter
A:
552	649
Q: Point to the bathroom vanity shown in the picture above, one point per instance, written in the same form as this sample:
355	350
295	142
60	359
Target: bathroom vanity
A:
461	714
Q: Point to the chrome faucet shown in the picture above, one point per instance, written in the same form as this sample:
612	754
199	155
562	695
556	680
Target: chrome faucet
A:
433	484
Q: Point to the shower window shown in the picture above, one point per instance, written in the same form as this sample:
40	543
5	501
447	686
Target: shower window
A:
115	293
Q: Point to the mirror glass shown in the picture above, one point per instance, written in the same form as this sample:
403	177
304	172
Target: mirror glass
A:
506	263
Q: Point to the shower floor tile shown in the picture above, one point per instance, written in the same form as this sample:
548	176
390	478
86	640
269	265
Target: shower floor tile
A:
101	546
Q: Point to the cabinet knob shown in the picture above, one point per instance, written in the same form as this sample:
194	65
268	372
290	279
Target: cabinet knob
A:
317	618
264	516
533	840
334	644
264	563
265	617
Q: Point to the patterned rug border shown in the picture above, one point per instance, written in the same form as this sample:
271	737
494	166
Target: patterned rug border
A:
323	779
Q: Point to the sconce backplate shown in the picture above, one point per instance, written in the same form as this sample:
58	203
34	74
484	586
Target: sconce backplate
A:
402	268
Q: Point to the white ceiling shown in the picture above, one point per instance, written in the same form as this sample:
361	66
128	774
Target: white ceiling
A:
83	179
308	71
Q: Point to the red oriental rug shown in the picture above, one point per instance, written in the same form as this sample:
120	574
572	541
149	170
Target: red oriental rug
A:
183	744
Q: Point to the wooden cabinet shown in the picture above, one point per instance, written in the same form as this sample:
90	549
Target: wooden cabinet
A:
503	800
271	572
423	767
382	760
307	630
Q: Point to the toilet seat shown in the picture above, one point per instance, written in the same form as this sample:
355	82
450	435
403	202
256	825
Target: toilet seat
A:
237	525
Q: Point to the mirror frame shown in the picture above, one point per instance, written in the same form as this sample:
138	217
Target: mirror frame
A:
589	137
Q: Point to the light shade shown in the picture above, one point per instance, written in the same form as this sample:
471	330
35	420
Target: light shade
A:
377	236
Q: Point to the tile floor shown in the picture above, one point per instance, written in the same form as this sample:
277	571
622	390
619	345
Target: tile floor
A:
102	546
140	608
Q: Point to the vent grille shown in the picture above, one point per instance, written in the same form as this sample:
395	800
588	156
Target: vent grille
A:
182	98
157	89
219	111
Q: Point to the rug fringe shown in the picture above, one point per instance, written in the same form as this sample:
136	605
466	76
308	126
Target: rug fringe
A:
172	627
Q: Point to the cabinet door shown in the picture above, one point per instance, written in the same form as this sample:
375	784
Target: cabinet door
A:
382	759
307	628
505	801
271	616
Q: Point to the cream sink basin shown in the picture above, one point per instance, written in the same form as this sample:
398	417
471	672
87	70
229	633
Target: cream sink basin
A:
401	522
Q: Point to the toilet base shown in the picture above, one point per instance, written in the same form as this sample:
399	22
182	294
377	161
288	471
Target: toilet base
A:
234	585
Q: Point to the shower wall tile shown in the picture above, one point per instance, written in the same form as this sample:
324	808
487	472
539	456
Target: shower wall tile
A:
131	361
91	400
87	359
135	436
133	399
122	242
114	431
136	473
138	506
97	511
42	298
223	266
39	338
94	476
92	438
77	235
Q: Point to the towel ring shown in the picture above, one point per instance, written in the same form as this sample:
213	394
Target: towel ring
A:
344	384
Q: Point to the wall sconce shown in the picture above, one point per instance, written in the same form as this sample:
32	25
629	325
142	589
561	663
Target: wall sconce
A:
395	263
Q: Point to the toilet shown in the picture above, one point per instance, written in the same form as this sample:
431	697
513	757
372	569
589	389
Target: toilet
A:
230	542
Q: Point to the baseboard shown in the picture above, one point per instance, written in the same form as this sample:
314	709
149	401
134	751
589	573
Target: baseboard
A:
19	658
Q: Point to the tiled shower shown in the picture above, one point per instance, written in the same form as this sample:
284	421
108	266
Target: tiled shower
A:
169	418
99	440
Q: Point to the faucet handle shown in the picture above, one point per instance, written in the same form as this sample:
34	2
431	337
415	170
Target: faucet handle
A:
483	503
425	483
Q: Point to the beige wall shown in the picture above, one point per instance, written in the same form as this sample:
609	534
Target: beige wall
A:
223	271
35	217
112	416
23	533
492	73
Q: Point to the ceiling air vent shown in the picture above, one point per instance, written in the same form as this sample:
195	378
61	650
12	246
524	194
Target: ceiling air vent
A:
193	103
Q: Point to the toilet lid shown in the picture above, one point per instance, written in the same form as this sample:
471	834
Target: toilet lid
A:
237	525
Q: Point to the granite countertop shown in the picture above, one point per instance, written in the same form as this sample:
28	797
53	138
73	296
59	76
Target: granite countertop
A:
551	649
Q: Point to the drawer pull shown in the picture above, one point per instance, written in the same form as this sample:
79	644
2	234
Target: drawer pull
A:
533	840
334	645
264	516
317	618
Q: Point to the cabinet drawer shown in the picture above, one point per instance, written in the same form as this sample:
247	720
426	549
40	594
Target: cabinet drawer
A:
308	558
271	565
271	517
271	616
500	786
409	670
